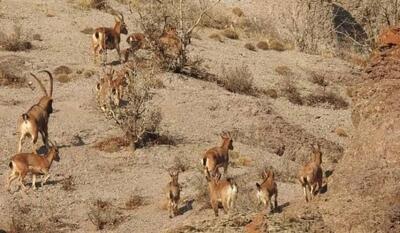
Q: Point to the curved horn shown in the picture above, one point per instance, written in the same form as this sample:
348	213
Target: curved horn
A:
51	80
40	84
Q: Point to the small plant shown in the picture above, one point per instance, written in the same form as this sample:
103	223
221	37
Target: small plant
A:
231	34
88	30
201	188
318	79
134	202
250	46
17	41
95	4
326	97
271	93
104	215
276	45
291	92
217	37
263	45
62	70
9	79
68	184
181	164
237	11
284	70
112	144
238	80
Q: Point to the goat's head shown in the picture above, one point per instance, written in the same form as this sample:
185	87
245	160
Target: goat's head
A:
46	102
227	140
120	19
174	174
316	152
54	150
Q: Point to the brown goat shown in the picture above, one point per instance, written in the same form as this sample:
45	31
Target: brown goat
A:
170	43
221	191
310	176
23	163
36	119
136	41
218	156
173	194
104	38
267	189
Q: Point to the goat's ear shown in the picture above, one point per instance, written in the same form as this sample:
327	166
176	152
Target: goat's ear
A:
258	186
266	174
98	86
208	175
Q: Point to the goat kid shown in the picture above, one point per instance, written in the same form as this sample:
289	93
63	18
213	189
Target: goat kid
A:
218	156
105	38
23	163
310	176
173	194
267	189
221	191
36	119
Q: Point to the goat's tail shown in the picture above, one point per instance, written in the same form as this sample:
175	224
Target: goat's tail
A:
25	117
10	165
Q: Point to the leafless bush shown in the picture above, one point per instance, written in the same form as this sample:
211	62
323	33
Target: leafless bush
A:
17	41
237	11
240	160
68	184
291	92
201	188
250	46
271	93
104	215
215	19
9	79
231	34
276	45
134	202
238	80
181	163
284	70
95	4
112	144
216	36
318	79
263	45
326	97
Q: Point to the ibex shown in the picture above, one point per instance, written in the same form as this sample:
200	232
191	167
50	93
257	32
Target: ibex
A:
23	163
36	119
221	191
110	90
105	38
173	194
310	176
170	43
267	189
218	156
136	41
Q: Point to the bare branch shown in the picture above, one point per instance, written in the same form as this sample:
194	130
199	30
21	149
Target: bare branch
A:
200	17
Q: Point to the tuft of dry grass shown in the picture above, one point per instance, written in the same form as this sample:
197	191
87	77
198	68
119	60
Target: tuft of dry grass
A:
112	144
284	70
64	78
215	19
9	79
17	41
88	30
238	160
62	70
231	34
291	92
263	45
238	80
181	164
216	36
341	132
201	189
88	73
134	202
271	93
276	45
326	97
95	4
318	79
104	215
250	47
37	37
68	184
237	11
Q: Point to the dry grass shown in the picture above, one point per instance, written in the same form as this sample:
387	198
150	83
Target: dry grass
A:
215	19
291	92
263	45
216	36
62	70
68	184
104	215
94	4
341	132
238	80
326	99
284	70
237	11
88	30
231	34
37	37
201	188
112	144
181	163
318	78
271	93
276	45
9	79
17	41
250	47
64	78
134	202
239	160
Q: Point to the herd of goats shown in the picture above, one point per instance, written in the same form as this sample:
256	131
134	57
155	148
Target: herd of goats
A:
221	191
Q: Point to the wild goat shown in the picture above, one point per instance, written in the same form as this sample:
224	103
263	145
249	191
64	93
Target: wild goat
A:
136	41
218	156
173	194
221	191
267	189
110	90
104	38
23	163
170	43
310	176
36	119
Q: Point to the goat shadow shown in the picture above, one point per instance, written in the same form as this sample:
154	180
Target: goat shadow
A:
323	189
186	207
43	150
280	207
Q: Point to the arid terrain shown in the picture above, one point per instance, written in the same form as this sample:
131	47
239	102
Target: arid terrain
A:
299	99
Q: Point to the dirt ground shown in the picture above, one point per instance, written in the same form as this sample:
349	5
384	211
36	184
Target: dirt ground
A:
193	111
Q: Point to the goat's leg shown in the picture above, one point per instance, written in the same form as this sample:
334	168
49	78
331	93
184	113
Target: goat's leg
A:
33	181
226	169
11	178
305	192
21	138
21	180
276	200
119	52
34	140
45	177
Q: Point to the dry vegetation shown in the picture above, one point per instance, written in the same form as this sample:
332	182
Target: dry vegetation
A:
216	36
16	41
284	71
250	47
104	215
263	45
134	202
326	97
238	80
231	34
290	91
92	4
112	144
